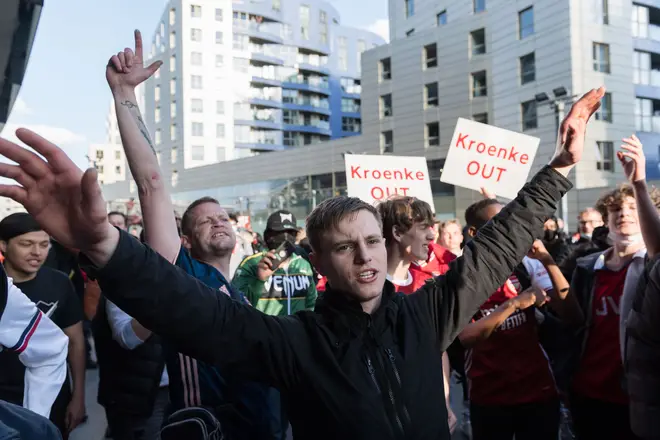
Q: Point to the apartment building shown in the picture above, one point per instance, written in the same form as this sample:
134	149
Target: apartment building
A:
505	63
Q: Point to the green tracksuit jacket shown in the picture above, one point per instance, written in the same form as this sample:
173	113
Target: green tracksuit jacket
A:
287	291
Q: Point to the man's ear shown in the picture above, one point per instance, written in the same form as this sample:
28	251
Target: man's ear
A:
472	231
396	234
3	246
186	242
316	262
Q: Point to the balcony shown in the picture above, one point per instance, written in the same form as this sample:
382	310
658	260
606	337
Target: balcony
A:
262	81
258	32
267	124
259	9
307	107
265	102
307	67
260	146
261	58
316	85
313	47
322	128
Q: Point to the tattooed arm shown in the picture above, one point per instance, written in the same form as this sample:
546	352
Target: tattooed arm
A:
124	72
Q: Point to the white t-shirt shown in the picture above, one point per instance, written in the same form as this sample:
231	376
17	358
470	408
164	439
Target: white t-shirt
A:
538	275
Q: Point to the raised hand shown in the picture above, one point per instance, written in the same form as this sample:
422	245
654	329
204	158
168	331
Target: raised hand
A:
487	194
126	69
66	202
570	141
632	159
538	251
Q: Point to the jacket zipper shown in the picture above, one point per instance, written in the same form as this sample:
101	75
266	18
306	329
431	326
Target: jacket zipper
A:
390	355
372	373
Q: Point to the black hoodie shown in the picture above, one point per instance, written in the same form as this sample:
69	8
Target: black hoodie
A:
343	374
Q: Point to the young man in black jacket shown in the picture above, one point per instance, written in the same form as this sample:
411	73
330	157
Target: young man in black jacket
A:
366	363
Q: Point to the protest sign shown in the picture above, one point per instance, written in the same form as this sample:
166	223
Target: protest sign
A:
377	178
481	155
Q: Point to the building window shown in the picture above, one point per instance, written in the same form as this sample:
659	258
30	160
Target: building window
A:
158	137
99	168
220	131
173	63
99	154
197	152
173	109
410	8
480	117
218	14
433	134
197	105
323	17
304	22
606	160
277	5
117	169
479	5
220	107
526	22
117	155
195	34
385	69
218	37
386	142
642	67
601	9
527	68
195	11
173	132
644	115
289	116
286	31
601	57
157	93
351	125
220	154
197	129
529	119
195	81
479	86
604	113
173	155
343	53
431	56
349	105
172	40
172	16
410	32
431	94
173	87
196	58
157	115
175	178
441	18
640	21
478	41
386	105
219	61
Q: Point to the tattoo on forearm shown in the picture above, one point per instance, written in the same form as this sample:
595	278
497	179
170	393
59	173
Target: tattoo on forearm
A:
135	110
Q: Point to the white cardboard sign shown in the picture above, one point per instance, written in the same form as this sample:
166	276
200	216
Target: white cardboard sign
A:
482	155
375	178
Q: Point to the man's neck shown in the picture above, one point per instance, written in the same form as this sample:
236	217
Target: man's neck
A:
17	275
397	267
620	253
221	263
371	306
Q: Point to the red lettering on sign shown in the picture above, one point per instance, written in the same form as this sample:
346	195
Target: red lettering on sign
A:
487	171
419	175
387	174
481	147
524	159
461	140
376	176
509	154
471	169
377	190
355	170
380	193
492	150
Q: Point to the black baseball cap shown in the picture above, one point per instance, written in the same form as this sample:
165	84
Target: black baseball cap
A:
281	221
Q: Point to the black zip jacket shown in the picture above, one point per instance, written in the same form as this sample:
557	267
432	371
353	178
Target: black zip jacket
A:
343	374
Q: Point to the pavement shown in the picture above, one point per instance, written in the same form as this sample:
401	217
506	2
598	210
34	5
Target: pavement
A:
94	429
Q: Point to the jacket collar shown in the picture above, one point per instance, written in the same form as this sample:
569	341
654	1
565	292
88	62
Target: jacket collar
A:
345	316
599	262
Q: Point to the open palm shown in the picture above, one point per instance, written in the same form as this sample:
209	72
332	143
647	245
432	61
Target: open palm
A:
126	69
570	142
67	203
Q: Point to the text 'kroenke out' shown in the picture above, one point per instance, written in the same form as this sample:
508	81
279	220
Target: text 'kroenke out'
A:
487	171
380	192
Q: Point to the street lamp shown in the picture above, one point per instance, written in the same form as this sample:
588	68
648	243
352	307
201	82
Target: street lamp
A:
558	104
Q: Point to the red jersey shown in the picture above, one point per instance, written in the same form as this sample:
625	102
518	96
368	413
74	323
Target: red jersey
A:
600	373
437	262
510	367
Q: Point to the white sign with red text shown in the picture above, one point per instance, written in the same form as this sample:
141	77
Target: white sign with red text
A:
377	178
484	156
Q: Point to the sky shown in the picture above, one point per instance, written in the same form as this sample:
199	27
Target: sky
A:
64	96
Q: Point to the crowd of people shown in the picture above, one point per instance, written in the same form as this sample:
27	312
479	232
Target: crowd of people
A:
371	322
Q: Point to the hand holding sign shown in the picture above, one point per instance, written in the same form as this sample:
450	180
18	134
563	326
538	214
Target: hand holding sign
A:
570	141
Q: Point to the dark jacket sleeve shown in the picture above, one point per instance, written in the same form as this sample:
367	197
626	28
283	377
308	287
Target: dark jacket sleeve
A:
489	259
199	321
